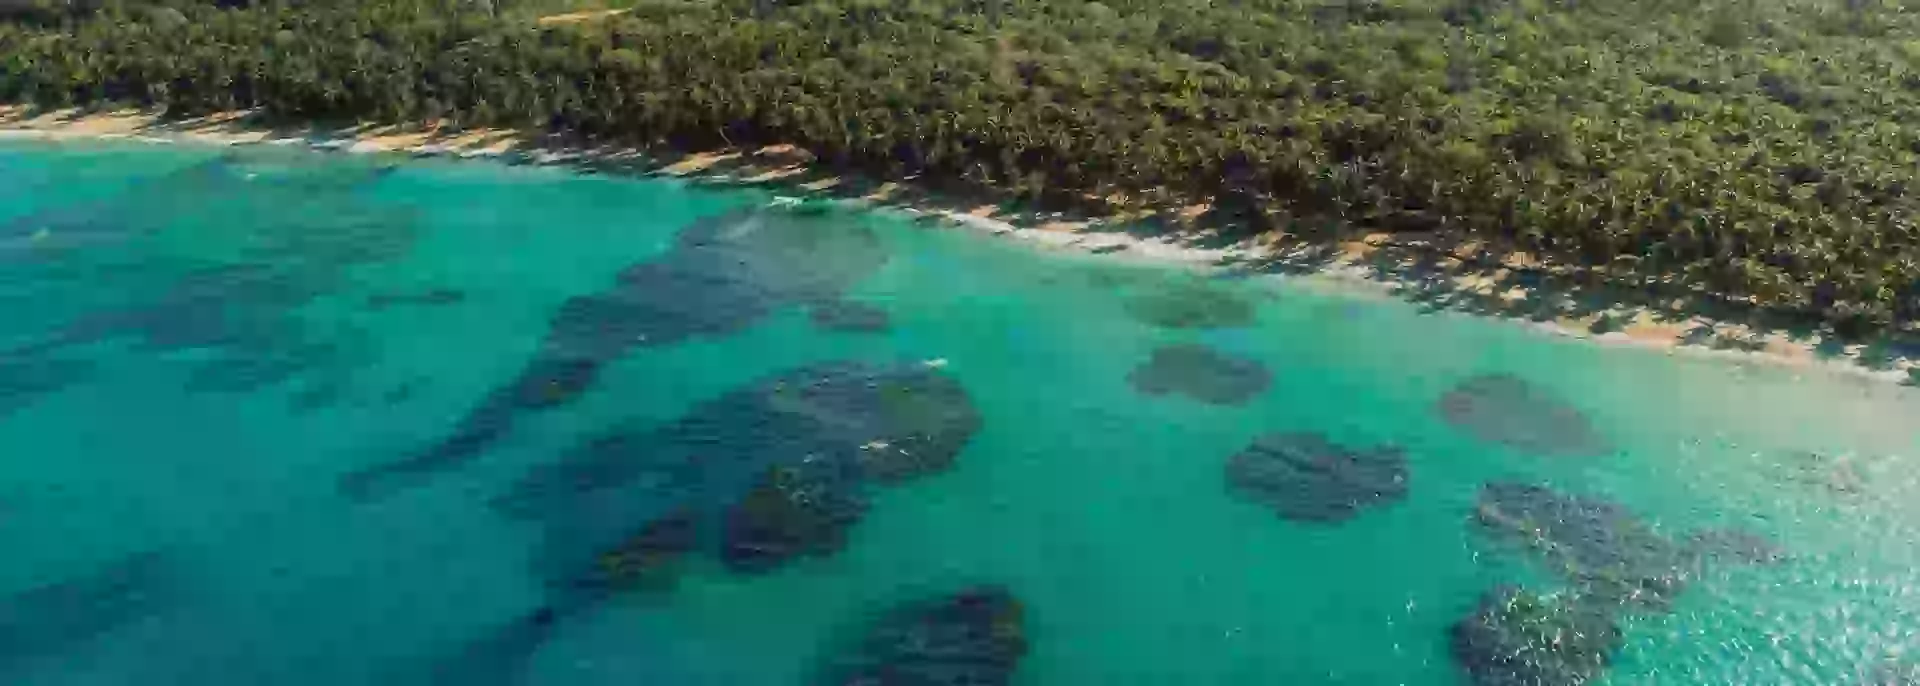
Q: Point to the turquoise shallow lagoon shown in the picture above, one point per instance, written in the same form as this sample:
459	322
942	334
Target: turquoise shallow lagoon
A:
263	413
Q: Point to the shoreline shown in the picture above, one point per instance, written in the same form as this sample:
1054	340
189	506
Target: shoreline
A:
1376	264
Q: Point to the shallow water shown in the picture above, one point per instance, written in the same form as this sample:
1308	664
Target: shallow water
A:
202	346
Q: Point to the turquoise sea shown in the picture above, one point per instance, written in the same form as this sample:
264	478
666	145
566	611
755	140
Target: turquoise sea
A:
271	416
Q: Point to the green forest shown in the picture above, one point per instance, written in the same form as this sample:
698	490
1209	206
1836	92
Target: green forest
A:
1757	150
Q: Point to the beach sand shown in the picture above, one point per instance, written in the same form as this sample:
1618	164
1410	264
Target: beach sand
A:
1462	277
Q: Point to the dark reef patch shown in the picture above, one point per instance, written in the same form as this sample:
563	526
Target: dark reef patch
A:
1840	475
885	423
1189	303
757	478
217	306
1304	477
496	658
850	317
1200	373
795	510
975	637
1519	638
1894	673
436	297
1606	550
1509	410
1596	543
143	208
723	274
1735	544
649	559
63	615
234	302
318	396
245	370
23	381
402	392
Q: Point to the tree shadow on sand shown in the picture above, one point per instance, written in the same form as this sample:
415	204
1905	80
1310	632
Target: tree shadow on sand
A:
1450	274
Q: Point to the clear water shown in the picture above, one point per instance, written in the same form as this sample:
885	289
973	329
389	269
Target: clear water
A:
203	344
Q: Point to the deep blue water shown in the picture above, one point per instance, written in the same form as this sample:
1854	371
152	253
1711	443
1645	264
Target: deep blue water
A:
279	417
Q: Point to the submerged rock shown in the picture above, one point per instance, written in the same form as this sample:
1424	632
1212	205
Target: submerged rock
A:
1304	477
884	422
225	307
51	234
23	381
241	314
1894	673
722	275
437	297
495	658
545	383
726	273
1506	409
1190	304
141	209
975	637
794	511
318	396
246	371
52	619
1735	544
1609	552
1837	474
1596	543
648	559
402	392
552	382
320	240
1200	373
918	420
643	559
1519	638
851	317
758	477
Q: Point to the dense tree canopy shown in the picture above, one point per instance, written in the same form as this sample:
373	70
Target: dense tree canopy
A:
1757	149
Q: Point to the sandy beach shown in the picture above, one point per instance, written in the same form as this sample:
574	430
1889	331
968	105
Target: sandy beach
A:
1450	277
